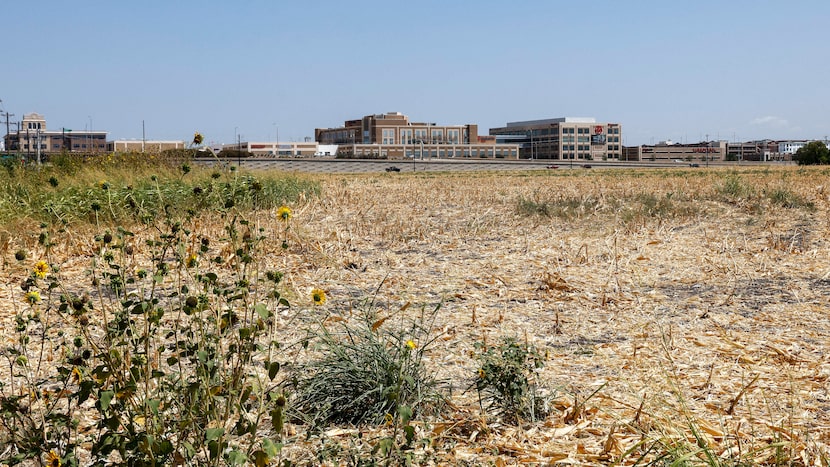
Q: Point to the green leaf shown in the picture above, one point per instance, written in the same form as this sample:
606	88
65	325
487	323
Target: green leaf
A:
237	458
406	413
105	397
214	433
84	390
409	431
271	448
153	404
277	419
262	311
273	369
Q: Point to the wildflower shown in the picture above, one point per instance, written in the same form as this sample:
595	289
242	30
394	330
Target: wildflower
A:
318	296
103	185
191	260
53	459
481	373
411	344
388	418
284	213
41	269
198	138
32	297
77	376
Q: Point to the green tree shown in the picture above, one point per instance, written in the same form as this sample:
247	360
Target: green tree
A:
814	152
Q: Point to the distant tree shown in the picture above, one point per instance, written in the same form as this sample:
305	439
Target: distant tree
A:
814	152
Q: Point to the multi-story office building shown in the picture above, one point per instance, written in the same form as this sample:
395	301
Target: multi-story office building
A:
763	151
564	138
392	135
670	151
33	138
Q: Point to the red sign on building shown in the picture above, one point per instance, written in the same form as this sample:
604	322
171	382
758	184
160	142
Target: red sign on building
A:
598	130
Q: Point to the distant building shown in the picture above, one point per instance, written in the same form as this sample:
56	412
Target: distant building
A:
566	138
133	145
761	151
393	136
790	147
281	149
33	138
669	151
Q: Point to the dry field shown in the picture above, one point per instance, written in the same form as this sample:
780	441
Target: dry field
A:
681	310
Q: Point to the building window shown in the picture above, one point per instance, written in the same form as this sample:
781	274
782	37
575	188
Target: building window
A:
421	136
406	136
453	136
388	136
437	136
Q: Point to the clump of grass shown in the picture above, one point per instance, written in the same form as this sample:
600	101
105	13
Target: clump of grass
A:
567	208
733	188
367	373
788	199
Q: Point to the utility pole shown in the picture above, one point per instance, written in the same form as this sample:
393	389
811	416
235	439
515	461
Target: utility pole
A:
37	138
7	115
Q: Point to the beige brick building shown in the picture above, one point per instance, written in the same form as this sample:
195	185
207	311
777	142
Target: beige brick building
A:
33	138
566	138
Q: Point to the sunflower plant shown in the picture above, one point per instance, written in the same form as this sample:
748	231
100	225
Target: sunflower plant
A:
169	348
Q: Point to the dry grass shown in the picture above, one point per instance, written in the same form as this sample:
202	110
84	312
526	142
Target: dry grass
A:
703	323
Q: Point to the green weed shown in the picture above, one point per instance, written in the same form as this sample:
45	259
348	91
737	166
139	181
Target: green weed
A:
505	381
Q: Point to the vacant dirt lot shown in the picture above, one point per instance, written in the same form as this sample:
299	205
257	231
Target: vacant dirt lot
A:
669	304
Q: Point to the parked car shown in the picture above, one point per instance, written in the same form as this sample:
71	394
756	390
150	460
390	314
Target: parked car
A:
586	166
694	165
393	168
551	166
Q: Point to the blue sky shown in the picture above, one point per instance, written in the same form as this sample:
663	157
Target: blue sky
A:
663	69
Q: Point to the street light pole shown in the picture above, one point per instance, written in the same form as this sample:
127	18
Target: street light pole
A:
707	150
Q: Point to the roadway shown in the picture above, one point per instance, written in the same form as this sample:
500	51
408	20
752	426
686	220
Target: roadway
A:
330	165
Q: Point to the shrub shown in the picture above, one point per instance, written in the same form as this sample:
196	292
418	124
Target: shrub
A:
505	380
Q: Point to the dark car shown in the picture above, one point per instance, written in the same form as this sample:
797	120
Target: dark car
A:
694	165
392	168
586	166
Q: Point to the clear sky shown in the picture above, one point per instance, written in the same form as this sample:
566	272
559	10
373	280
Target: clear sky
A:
664	69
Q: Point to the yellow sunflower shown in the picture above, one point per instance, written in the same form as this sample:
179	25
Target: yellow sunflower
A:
53	459
198	138
411	344
318	296
41	269
284	213
32	297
